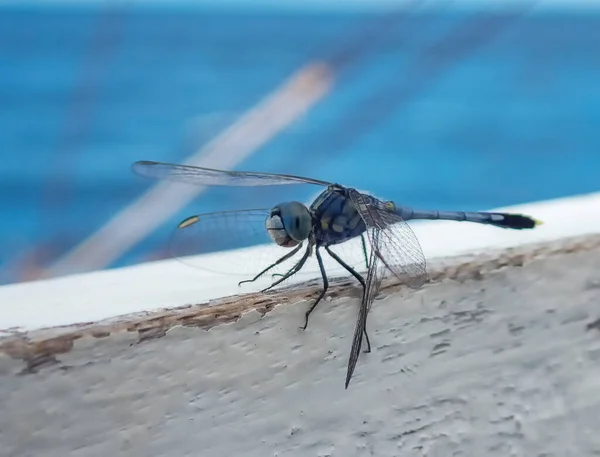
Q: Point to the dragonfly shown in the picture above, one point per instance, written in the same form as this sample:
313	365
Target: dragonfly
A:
337	215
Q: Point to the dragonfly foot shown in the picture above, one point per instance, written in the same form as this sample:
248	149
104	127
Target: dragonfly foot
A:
266	289
305	323
368	342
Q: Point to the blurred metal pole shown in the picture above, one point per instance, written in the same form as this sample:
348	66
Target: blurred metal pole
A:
254	129
278	110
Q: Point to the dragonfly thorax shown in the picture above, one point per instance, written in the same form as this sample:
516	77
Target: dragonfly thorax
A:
289	224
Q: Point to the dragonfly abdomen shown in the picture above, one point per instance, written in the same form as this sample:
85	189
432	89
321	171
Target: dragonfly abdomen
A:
503	220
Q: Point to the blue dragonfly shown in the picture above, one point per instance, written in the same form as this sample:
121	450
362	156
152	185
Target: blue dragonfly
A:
337	215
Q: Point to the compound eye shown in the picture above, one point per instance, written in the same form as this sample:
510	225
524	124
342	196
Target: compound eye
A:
296	220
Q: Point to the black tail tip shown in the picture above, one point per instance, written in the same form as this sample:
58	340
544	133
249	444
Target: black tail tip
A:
516	221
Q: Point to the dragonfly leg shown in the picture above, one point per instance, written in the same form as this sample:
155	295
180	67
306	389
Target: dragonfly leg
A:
360	279
274	275
348	268
325	287
364	247
282	259
293	271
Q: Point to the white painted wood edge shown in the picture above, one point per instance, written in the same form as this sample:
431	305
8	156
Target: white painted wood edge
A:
156	286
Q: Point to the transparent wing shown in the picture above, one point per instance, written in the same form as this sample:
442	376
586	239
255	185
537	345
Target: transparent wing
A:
234	243
375	276
398	246
209	177
376	271
401	252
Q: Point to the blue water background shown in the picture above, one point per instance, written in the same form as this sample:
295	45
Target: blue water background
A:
415	115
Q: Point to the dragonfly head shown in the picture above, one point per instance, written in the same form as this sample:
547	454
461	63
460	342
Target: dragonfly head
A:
289	224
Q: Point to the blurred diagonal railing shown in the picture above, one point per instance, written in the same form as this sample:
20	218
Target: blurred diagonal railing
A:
235	144
254	129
